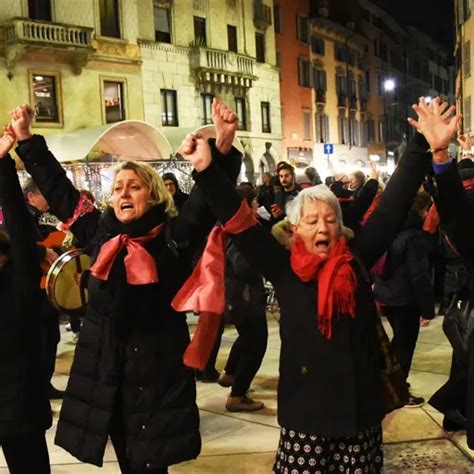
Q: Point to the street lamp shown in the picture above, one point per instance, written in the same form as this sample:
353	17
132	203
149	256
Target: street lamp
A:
389	85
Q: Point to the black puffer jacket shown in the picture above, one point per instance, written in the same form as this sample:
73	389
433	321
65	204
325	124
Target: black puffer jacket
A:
24	404
132	341
407	278
327	387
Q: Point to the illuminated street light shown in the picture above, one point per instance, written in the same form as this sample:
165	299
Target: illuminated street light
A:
428	99
389	85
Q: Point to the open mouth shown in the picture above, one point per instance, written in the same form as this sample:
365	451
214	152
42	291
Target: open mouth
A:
126	206
322	244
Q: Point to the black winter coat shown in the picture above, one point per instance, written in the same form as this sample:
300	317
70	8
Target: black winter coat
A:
132	341
456	211
24	404
326	387
407	279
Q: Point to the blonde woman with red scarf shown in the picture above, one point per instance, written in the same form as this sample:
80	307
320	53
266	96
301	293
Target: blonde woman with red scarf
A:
330	404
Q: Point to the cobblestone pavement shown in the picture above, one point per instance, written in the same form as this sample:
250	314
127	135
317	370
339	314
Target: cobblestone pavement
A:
245	443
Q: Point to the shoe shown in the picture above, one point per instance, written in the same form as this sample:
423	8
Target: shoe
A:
414	402
210	377
226	380
235	404
55	394
454	420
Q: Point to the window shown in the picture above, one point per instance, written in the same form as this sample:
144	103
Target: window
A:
207	108
467	58
302	28
278	19
354	130
371	130
45	98
367	81
341	85
162	24
241	110
266	126
169	108
340	52
232	38
109	18
322	126
200	31
467	113
260	47
342	127
39	10
113	101
320	79
381	131
304	74
307	132
318	45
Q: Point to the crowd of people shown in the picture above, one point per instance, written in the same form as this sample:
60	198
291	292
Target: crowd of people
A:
338	255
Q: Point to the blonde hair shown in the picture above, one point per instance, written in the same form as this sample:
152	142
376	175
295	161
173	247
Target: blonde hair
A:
152	180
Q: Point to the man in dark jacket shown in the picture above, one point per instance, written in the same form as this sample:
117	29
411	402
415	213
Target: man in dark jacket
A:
172	184
45	226
405	289
290	189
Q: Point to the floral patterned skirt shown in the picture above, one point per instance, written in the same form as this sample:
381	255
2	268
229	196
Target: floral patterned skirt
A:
301	453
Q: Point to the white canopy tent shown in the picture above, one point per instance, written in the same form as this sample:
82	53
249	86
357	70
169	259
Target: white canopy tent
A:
127	140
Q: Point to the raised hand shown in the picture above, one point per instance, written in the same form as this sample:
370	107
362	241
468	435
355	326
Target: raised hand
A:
21	118
7	141
437	123
226	122
195	149
374	173
464	141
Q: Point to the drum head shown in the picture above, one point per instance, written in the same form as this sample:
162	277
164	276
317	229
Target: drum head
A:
62	288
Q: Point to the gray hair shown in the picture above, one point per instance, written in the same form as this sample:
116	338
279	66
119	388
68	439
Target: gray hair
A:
315	193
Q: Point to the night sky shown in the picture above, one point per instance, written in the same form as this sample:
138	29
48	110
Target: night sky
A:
435	17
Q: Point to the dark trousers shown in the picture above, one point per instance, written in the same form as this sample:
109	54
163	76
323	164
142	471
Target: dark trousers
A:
247	352
26	453
50	337
75	321
405	322
117	436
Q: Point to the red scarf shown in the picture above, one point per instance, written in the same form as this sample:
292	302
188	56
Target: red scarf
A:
335	278
204	291
140	266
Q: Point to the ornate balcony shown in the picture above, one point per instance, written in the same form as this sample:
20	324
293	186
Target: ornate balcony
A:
262	15
69	41
221	68
320	96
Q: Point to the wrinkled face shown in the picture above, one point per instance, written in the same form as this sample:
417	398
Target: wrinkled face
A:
287	180
318	227
38	201
169	183
130	198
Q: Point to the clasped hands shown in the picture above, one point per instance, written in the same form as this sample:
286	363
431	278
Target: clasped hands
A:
17	129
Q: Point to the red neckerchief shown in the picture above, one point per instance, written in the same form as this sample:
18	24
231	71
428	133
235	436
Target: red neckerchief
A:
140	266
336	281
204	291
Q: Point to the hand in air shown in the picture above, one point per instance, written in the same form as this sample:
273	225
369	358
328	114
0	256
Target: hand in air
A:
465	141
436	122
21	118
7	141
196	150
226	122
374	173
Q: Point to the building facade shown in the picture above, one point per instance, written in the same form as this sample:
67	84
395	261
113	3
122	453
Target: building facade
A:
195	50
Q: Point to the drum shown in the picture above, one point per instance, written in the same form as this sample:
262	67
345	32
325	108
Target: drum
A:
62	286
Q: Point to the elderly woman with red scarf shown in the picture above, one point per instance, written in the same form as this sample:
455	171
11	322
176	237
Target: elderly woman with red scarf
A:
330	403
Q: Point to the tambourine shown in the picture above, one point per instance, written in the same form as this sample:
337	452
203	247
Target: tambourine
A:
62	287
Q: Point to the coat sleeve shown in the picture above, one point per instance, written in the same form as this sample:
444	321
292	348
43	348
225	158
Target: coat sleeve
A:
257	245
353	214
61	195
24	253
456	211
195	220
419	270
375	237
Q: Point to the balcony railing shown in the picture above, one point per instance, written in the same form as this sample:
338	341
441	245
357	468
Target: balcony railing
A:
213	65
74	41
32	31
320	96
